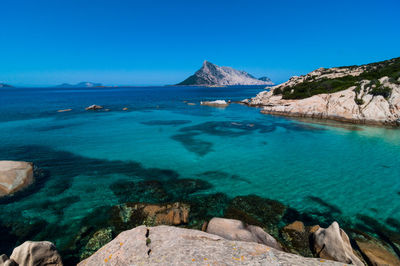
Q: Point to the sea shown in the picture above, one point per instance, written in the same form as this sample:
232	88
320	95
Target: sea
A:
349	173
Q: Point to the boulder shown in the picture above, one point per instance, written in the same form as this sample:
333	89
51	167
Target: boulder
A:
36	254
168	245
334	244
94	107
236	230
377	254
14	176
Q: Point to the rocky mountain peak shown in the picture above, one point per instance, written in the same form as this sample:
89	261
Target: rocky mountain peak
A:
211	74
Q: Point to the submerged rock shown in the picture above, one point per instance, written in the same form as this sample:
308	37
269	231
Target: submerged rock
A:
236	230
258	211
333	243
36	254
296	238
99	239
375	251
129	215
14	176
94	107
166	245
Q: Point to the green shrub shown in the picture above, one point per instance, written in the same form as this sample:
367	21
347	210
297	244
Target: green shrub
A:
374	71
277	91
381	90
359	101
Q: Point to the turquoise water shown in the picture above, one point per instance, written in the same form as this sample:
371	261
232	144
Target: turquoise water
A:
347	170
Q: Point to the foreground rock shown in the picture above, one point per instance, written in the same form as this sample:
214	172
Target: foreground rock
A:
333	243
235	230
217	103
347	94
94	107
14	176
165	245
376	254
33	254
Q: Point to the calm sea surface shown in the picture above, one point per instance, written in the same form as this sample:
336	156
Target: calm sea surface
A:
349	171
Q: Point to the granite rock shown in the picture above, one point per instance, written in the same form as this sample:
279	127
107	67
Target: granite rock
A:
236	230
166	245
14	176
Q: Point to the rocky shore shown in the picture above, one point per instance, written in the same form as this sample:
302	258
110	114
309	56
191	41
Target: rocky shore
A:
367	94
224	242
200	229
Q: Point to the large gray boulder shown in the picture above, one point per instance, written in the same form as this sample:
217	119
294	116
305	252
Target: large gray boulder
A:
168	245
334	244
236	230
31	253
14	176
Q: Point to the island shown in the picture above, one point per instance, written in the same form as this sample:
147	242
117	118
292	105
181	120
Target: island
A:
80	85
3	85
213	75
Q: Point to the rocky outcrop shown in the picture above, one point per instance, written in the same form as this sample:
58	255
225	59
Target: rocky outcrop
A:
64	110
236	230
31	253
333	243
94	107
210	74
367	94
217	103
165	245
14	176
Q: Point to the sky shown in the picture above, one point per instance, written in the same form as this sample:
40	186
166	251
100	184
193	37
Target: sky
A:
149	42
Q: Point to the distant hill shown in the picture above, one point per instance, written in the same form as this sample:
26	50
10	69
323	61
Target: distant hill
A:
80	85
210	74
266	79
2	85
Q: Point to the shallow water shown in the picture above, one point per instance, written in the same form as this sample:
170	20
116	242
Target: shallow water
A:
345	170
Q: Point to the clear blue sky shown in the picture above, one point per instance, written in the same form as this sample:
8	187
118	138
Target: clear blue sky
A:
148	42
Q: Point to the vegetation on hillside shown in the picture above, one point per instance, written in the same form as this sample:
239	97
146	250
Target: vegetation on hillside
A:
373	72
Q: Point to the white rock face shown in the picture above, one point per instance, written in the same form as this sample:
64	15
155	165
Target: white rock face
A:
167	245
210	74
340	106
14	176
